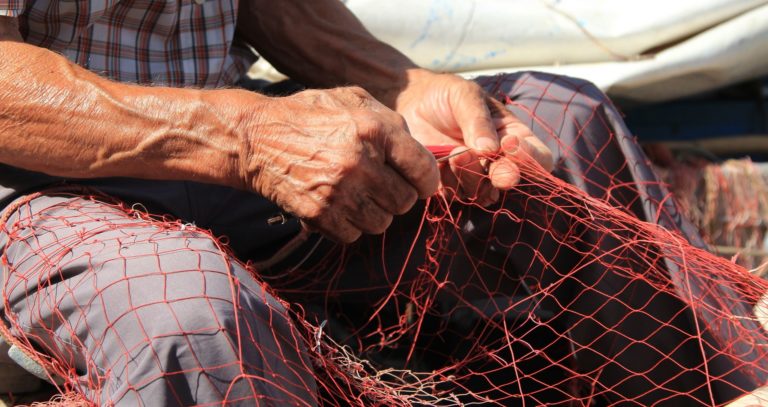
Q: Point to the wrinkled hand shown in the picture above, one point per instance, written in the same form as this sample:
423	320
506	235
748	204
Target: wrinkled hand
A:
339	160
443	109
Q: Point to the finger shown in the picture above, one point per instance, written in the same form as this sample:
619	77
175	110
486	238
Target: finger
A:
539	152
513	144
514	135
504	174
391	191
487	194
369	217
336	228
469	171
492	196
413	162
510	142
474	119
448	181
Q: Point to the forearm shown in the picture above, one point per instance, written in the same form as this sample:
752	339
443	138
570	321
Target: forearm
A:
321	43
60	119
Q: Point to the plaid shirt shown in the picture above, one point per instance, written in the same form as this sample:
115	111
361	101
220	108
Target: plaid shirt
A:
162	42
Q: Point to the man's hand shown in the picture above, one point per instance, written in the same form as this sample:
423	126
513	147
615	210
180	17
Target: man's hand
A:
443	109
339	160
439	109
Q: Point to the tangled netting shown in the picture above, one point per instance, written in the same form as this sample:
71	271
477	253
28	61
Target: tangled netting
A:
553	296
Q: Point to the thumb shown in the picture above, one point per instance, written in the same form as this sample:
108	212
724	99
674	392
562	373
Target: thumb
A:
413	161
475	122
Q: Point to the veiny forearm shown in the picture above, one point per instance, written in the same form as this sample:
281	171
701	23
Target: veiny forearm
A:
321	43
60	119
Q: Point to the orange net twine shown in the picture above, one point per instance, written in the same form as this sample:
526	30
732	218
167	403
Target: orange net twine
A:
549	297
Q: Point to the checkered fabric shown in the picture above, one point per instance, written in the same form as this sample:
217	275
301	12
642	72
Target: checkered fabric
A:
162	42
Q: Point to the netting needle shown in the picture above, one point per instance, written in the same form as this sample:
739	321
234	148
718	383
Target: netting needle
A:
449	156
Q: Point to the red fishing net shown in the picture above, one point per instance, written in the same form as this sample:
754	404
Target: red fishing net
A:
553	296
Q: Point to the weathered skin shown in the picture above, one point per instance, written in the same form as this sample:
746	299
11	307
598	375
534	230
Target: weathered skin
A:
343	160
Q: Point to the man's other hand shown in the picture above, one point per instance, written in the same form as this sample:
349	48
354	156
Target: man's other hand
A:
443	109
337	159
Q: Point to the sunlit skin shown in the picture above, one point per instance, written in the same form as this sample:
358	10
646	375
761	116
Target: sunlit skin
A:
344	159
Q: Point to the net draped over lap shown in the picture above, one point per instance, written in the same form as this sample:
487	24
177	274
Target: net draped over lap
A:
580	287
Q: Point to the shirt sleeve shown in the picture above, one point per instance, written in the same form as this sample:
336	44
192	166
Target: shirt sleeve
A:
11	8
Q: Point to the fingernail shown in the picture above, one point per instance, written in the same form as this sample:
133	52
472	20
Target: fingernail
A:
510	145
486	144
531	146
504	176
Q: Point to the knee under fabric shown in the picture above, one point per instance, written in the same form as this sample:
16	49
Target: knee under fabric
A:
29	364
16	370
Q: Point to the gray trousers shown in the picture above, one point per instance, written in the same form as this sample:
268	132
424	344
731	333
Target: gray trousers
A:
151	312
147	312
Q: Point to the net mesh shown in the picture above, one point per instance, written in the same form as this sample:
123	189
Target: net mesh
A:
580	287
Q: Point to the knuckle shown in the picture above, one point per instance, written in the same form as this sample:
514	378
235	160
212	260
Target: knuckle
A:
469	87
370	126
313	213
473	87
320	205
350	236
357	96
370	122
384	128
396	120
330	223
357	90
312	93
382	225
341	168
407	202
400	126
312	96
